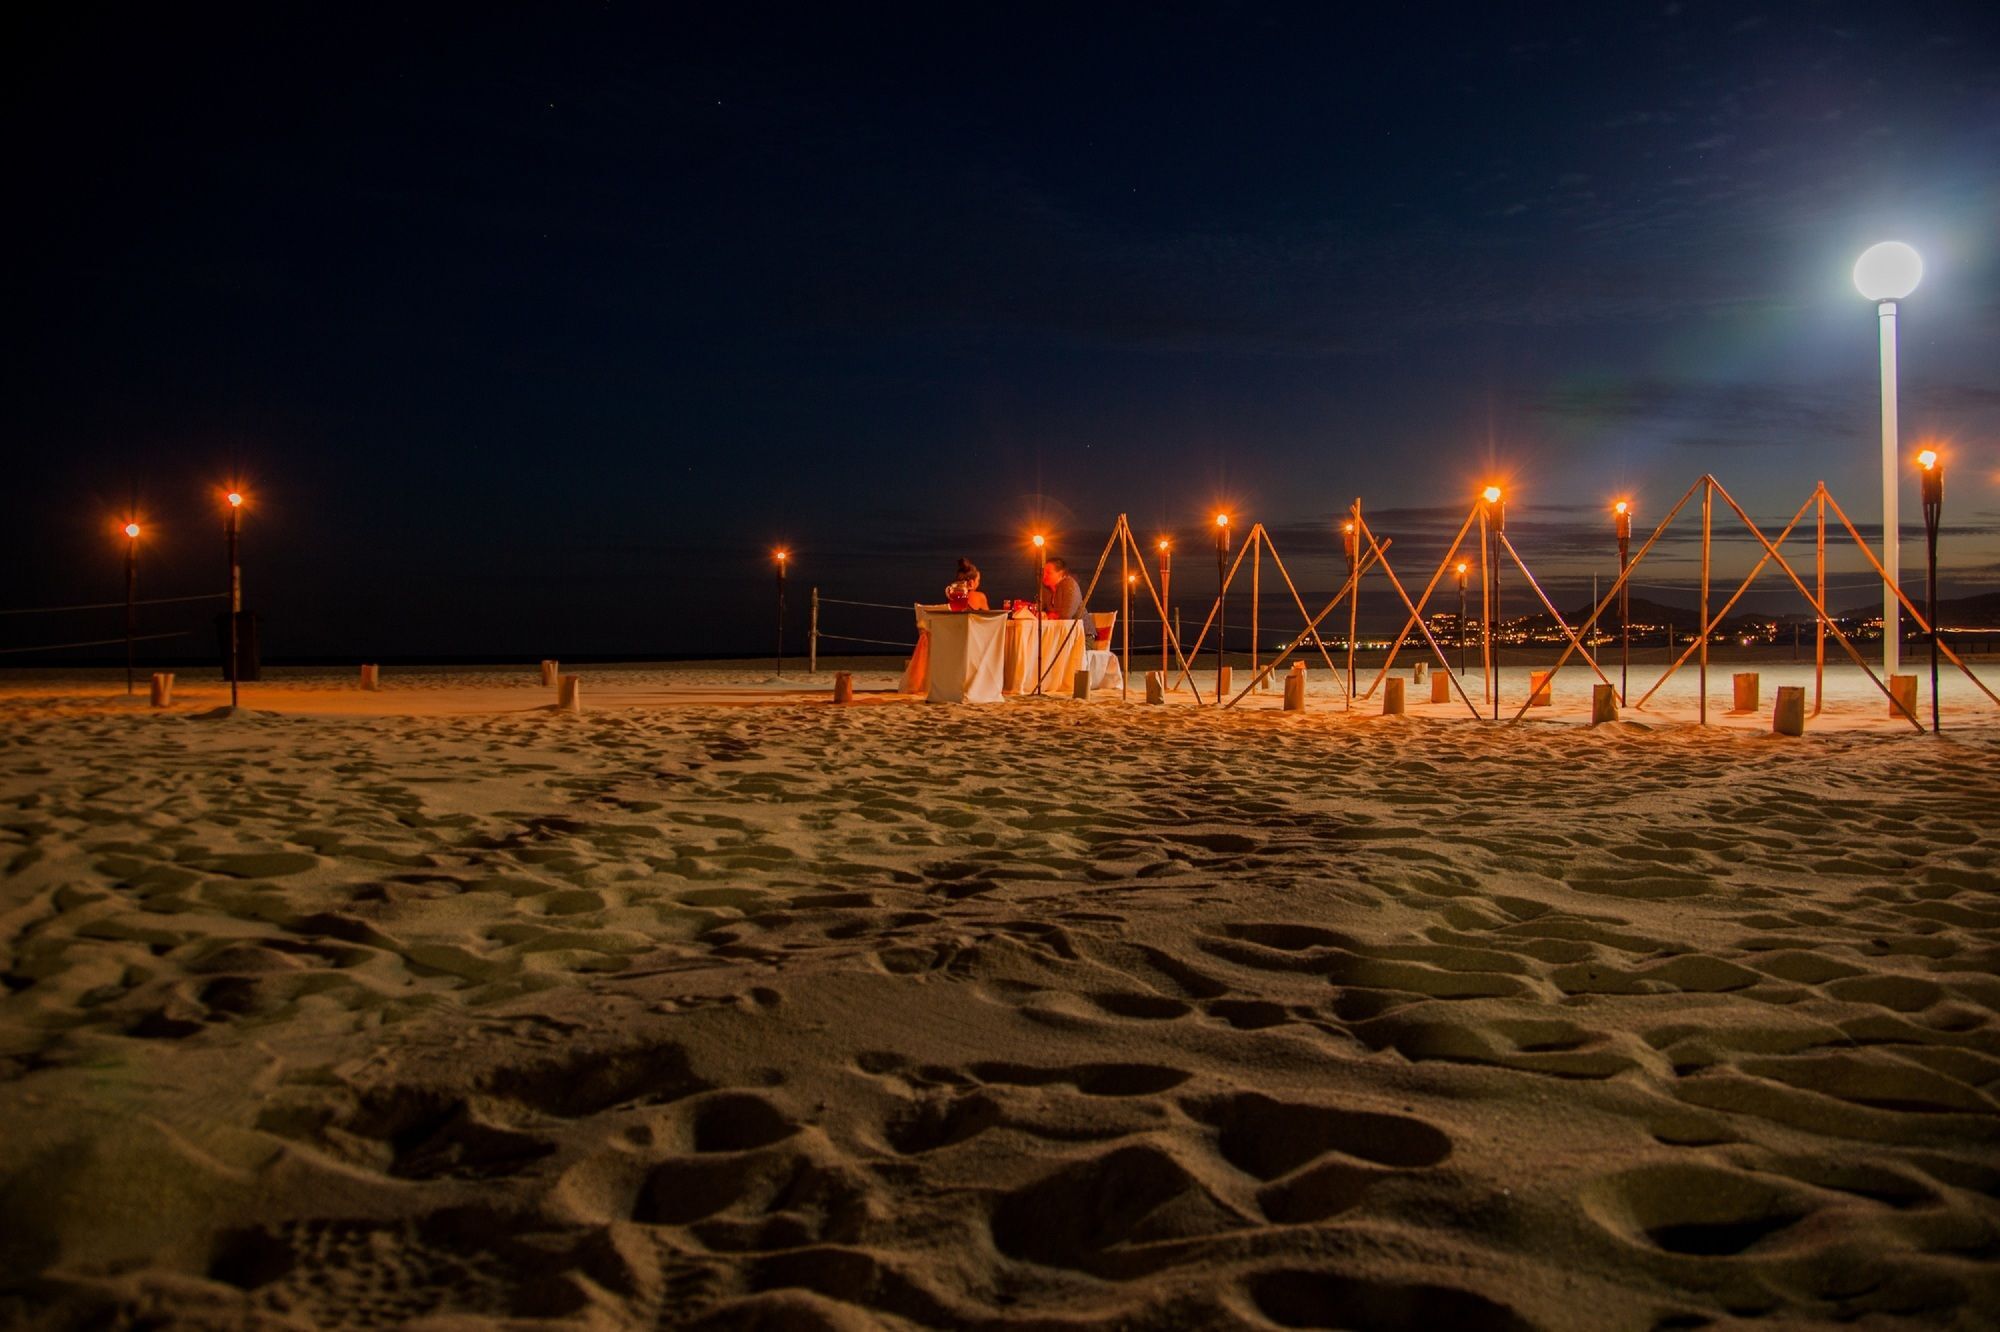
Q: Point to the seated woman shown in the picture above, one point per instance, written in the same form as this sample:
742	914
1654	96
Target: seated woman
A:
964	593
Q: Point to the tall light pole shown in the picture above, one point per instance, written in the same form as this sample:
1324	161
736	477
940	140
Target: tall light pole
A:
1885	274
1623	511
1933	483
131	531
235	499
782	556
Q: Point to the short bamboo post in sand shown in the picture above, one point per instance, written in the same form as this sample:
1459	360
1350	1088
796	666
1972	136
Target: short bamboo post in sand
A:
371	677
1392	696
1222	674
1744	683
1902	696
1540	688
1156	686
1419	671
1441	688
1295	688
569	693
550	670
163	689
1080	686
1603	704
843	687
1789	718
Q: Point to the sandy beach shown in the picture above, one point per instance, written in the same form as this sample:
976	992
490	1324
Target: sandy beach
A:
721	1006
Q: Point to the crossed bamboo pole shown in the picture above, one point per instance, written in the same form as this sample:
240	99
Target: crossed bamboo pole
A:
1312	625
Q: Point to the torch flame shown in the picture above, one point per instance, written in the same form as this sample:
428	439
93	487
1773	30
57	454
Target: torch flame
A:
132	530
1492	494
1928	458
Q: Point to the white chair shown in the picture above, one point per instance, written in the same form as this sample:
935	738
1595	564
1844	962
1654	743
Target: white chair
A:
1098	658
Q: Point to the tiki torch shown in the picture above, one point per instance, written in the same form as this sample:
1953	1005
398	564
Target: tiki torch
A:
131	531
783	557
1221	599
1933	490
1351	544
1166	572
1623	511
1497	517
1041	601
1462	569
235	499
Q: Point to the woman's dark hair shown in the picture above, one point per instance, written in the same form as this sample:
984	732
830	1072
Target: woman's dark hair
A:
966	569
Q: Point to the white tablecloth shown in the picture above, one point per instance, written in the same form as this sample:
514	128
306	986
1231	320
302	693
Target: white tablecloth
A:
968	656
1062	655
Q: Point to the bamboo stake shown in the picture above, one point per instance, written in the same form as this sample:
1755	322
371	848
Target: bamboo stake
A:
1819	625
1492	694
1549	606
1624	576
1819	608
1202	637
1313	626
1353	603
1169	633
1256	591
1727	606
1922	623
1707	509
1361	529
1389	662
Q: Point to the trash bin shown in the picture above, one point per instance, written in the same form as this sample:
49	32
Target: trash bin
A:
247	659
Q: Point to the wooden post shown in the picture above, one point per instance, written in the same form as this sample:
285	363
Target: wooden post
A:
1491	695
1744	687
1789	718
1707	510
163	689
812	637
371	677
1419	671
1080	686
1222	678
1295	689
1541	688
1603	704
843	687
569	693
1392	696
1903	696
1353	597
1156	686
1441	687
550	670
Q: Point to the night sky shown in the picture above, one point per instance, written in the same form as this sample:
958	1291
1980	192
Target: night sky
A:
531	330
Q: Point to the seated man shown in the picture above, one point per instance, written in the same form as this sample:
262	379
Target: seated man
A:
1062	599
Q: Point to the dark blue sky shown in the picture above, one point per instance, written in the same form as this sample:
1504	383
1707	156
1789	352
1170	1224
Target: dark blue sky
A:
533	329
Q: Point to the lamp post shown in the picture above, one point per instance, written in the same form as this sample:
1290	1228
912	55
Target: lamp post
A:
1497	518
235	500
784	556
131	531
1885	274
1041	597
1221	597
1623	512
1933	492
1462	569
1166	572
